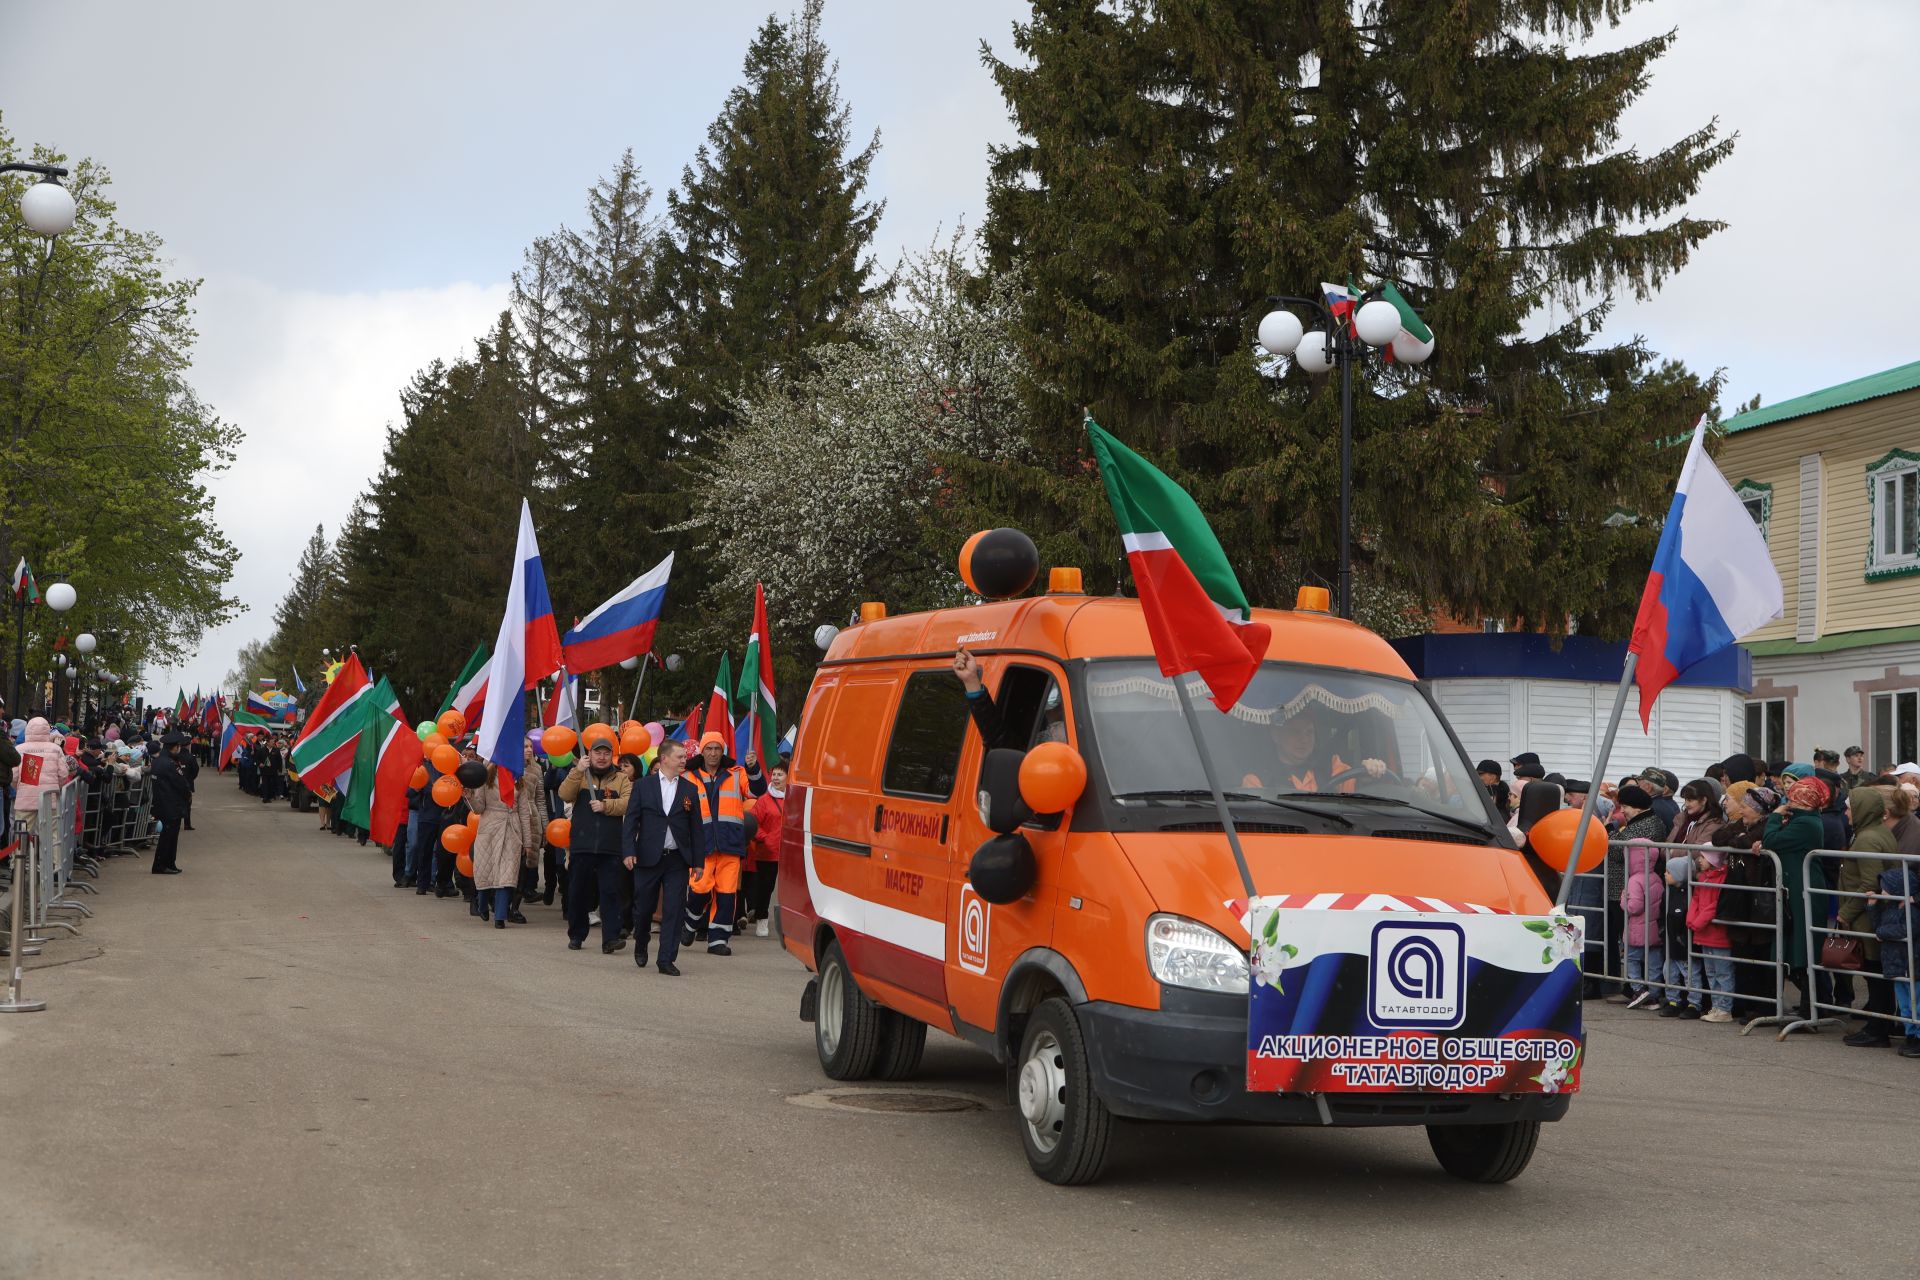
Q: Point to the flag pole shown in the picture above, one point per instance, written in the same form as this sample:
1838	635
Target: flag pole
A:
1593	784
1213	783
640	683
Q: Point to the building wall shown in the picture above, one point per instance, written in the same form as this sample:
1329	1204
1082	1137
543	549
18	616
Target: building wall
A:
1841	443
1563	720
1827	693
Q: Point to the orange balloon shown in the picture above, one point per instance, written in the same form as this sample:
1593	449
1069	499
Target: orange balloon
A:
452	723
446	792
1552	839
635	741
558	740
1052	777
559	833
463	863
595	732
419	778
627	726
446	758
457	839
966	560
473	820
433	740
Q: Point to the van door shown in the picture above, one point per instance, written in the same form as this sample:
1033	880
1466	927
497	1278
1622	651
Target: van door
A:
912	833
986	938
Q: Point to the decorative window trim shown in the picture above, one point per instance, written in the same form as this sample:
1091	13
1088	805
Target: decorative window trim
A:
1895	462
1747	490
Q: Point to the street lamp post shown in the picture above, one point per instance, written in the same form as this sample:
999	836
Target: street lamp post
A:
1342	339
84	645
60	597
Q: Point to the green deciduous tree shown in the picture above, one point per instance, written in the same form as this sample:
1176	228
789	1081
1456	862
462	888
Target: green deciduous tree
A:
1180	160
104	447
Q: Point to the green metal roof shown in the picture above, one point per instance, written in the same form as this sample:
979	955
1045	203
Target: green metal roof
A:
1904	377
1834	643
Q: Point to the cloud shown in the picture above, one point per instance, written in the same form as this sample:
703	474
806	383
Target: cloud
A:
314	380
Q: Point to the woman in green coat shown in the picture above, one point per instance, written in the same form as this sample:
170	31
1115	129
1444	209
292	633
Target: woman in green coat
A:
1873	843
1793	831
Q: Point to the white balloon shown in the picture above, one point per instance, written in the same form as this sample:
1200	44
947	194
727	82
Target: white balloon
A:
1280	332
1311	355
628	664
1408	349
47	208
61	596
824	635
674	662
1378	322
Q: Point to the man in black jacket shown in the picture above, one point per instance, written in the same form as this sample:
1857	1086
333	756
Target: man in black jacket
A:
597	793
172	793
664	841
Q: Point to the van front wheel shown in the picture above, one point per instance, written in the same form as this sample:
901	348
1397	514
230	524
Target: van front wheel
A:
1484	1152
846	1027
1064	1126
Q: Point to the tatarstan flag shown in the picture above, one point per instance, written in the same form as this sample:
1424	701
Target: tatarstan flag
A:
469	693
1196	612
718	718
758	727
383	763
324	752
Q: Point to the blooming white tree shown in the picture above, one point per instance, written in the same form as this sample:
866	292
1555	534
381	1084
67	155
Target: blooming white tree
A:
832	488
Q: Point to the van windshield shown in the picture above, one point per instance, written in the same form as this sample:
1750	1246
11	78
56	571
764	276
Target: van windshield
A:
1298	731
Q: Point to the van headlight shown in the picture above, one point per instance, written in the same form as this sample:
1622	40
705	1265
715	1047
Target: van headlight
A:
1185	953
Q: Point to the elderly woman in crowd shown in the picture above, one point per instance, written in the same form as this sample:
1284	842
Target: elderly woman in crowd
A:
1792	832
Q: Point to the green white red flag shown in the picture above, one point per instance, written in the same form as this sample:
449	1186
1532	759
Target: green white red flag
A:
468	695
24	587
385	757
760	727
325	749
1196	613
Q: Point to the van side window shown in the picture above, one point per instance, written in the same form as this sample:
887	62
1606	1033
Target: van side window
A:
923	758
1031	712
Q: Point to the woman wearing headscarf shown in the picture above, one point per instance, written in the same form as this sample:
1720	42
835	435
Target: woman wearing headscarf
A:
1792	832
1873	845
1751	911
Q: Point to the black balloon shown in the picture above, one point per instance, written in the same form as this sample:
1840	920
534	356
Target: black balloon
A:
471	774
1003	869
1005	563
750	824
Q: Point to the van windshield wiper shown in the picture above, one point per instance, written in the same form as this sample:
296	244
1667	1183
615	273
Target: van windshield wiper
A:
1465	824
1199	795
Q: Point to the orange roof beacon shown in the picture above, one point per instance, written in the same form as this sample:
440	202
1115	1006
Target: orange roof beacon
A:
1399	964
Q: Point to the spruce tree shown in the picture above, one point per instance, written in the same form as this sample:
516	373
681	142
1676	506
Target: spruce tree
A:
765	253
1181	160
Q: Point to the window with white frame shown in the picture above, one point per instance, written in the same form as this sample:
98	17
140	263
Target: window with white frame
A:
1895	728
1757	498
1893	489
1767	728
590	698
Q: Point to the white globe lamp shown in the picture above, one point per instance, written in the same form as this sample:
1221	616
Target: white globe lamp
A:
47	208
61	597
1408	349
1311	355
1280	332
824	635
1377	323
85	642
628	664
674	662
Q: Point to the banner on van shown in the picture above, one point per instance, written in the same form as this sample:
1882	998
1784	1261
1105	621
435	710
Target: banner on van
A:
1413	1002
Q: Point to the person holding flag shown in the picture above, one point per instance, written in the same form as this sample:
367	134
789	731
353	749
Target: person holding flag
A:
726	790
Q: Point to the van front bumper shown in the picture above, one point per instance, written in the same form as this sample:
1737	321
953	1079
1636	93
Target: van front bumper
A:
1190	1063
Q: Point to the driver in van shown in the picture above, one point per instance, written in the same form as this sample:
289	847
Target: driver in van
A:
986	713
1302	765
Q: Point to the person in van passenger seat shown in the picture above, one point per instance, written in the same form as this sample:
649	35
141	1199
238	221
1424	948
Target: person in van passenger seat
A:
994	731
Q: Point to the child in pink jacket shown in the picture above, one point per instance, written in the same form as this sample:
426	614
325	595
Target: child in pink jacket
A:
1642	948
55	769
1709	873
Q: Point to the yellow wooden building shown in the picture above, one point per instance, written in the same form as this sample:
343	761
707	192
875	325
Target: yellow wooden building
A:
1833	480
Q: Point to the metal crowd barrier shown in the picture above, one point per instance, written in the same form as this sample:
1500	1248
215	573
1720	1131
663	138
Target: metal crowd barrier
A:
1834	898
22	856
1696	958
55	838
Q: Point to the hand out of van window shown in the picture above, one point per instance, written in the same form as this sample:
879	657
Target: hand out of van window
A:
967	668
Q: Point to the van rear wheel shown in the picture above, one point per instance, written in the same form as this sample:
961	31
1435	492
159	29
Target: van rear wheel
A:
846	1028
1064	1126
1484	1152
902	1041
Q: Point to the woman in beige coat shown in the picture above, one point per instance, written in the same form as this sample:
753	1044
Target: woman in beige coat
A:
496	848
530	813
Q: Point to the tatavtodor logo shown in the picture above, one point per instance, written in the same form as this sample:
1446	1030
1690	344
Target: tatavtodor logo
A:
1418	975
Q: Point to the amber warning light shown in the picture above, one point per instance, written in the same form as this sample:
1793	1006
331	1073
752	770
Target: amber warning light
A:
1314	600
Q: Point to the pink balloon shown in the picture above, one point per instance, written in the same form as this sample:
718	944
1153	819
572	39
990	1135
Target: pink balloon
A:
657	731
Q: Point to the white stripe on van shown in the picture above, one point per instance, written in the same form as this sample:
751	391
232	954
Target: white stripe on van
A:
889	924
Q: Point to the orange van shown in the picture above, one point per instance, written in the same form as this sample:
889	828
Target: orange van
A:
1104	954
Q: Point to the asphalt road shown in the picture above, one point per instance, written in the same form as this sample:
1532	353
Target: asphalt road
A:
276	1064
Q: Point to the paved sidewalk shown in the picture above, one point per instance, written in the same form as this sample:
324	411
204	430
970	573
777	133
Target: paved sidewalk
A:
279	1065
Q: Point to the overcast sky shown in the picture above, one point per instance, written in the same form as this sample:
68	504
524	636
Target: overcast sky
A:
354	183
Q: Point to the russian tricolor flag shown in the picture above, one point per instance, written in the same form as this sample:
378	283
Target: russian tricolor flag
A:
1712	580
621	628
527	652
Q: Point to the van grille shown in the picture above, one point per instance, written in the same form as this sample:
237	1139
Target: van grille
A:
1438	837
1251	828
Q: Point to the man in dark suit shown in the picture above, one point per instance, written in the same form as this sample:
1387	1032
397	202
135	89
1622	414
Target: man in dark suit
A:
664	836
172	794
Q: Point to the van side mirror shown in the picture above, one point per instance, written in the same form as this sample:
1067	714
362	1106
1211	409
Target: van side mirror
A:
1001	808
